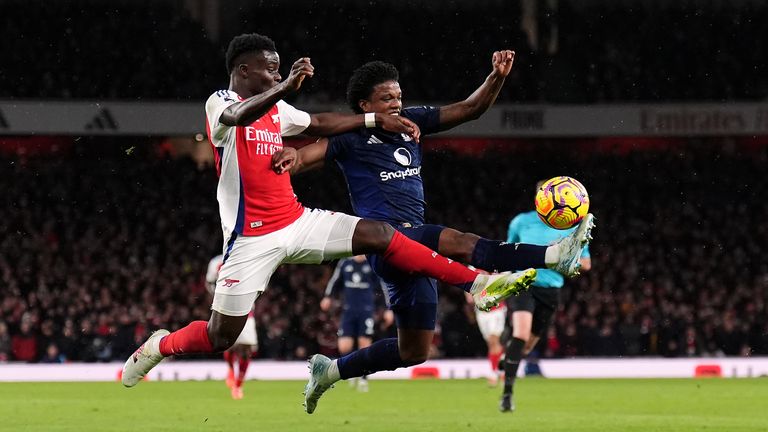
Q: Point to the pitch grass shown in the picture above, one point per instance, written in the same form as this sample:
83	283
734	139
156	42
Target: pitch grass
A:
727	405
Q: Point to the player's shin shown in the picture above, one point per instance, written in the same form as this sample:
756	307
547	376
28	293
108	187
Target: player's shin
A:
512	362
381	355
192	339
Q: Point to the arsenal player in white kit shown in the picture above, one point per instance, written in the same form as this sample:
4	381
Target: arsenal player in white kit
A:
263	222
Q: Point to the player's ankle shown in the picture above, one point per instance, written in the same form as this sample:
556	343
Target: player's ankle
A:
552	255
332	374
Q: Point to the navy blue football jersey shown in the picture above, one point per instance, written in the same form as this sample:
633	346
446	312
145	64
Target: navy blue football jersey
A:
358	281
383	169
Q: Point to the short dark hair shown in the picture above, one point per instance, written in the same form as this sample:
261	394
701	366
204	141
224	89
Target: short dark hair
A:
246	43
365	78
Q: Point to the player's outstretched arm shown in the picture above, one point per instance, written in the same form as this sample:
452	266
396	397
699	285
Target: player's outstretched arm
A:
296	161
326	124
481	99
246	112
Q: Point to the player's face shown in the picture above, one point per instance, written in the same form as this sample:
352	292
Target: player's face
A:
385	98
263	71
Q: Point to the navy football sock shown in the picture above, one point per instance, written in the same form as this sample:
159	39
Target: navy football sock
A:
381	355
493	255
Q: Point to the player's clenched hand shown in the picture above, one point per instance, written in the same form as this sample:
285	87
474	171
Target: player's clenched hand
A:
301	69
502	62
284	159
399	124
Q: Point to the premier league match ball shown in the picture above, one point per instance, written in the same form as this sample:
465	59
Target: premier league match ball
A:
562	202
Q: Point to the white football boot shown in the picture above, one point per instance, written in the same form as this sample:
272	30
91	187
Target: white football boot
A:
318	383
143	359
571	246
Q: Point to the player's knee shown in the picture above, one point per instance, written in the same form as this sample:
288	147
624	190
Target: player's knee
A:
220	344
383	233
372	236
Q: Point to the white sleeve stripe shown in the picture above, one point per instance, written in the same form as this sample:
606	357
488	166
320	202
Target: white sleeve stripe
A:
214	108
292	121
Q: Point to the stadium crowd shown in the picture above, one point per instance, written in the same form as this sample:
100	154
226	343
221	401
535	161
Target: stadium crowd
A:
108	239
578	52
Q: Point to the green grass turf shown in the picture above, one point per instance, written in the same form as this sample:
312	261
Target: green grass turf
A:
728	405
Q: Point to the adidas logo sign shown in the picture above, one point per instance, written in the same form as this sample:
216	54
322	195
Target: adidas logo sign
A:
374	140
103	120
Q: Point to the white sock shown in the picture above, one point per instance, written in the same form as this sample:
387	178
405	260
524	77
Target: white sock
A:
552	255
333	371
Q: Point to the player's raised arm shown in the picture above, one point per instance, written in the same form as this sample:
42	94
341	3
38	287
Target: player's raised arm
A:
326	124
481	99
246	112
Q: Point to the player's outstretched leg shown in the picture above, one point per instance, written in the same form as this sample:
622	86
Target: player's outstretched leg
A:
413	257
143	359
319	381
489	290
569	248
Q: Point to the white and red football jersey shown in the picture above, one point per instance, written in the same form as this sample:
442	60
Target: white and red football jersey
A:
253	199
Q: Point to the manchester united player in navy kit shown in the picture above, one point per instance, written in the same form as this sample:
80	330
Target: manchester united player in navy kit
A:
355	278
383	173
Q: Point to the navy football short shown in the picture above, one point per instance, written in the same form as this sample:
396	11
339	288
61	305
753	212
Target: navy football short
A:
356	323
541	302
412	298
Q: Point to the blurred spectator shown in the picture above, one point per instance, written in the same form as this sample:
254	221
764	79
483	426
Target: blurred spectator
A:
52	355
24	344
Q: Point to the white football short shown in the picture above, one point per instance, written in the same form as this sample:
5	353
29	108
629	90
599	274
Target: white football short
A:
491	323
316	236
248	335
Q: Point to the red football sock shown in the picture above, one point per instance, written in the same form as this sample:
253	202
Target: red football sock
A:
192	339
229	357
243	366
494	359
414	257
